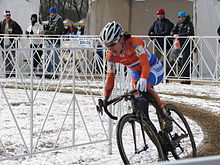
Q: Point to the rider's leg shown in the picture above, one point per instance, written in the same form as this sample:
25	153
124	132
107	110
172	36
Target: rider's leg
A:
142	103
155	77
144	106
154	99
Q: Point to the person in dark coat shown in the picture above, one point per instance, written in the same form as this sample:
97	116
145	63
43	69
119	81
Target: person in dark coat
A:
181	30
160	27
55	27
9	28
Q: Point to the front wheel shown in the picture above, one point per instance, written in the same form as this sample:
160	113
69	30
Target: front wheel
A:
181	137
137	146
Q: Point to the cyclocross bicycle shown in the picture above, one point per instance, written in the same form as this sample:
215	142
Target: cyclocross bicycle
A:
140	141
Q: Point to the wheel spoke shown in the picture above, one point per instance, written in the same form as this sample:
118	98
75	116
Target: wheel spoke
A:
181	137
135	147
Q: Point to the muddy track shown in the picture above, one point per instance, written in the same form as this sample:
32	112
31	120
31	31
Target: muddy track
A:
209	124
207	121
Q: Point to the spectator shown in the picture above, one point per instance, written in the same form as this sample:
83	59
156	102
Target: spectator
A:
8	27
66	29
80	30
54	27
72	30
182	29
160	27
34	29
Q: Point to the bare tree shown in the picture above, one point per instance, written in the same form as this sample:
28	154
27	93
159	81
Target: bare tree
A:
72	9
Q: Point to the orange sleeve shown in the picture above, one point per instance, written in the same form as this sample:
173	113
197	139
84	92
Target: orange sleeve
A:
145	66
109	84
143	58
110	80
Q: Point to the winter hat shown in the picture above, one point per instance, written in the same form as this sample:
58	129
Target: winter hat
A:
161	10
182	14
34	15
6	12
53	10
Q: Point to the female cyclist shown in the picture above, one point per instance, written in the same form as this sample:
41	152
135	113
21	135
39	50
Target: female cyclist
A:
146	70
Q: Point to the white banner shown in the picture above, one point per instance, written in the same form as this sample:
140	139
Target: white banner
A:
85	42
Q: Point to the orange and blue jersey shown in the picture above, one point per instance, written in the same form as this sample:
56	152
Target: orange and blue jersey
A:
141	62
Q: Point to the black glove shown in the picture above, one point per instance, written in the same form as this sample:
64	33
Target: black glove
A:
101	103
105	101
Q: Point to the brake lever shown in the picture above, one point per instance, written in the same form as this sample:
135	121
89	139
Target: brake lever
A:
100	107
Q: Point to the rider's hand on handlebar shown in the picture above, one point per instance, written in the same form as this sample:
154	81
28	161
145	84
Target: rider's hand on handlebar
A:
142	85
105	101
102	103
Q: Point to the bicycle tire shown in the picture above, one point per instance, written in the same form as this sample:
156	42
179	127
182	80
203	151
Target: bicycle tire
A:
187	143
126	144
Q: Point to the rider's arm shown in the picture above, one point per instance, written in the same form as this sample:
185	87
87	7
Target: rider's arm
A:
109	84
143	58
145	66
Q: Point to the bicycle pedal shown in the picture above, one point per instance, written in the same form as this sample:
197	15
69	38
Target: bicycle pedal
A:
167	124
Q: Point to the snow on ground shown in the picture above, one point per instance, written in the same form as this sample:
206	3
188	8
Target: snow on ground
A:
60	112
206	97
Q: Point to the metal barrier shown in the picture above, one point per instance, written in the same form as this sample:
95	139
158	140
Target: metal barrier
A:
42	108
198	59
41	79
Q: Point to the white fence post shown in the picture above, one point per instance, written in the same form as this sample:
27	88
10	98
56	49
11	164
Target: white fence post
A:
110	132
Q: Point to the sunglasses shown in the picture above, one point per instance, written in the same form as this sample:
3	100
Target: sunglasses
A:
160	13
8	14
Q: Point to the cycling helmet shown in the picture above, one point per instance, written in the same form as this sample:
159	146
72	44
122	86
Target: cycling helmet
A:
111	33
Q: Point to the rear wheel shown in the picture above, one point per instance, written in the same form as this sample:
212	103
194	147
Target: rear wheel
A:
134	147
181	137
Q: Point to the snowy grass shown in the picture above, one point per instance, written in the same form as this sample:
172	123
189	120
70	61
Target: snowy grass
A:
86	119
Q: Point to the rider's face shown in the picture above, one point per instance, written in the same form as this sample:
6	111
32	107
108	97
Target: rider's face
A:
116	48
